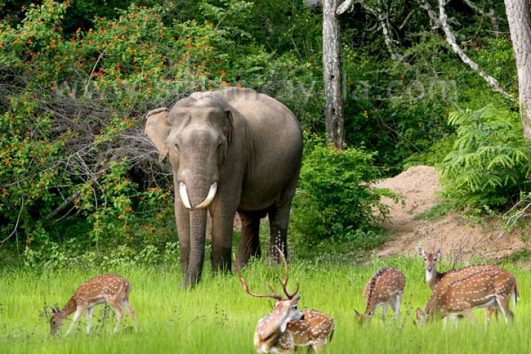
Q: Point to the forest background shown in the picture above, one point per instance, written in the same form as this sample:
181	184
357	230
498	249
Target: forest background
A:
80	184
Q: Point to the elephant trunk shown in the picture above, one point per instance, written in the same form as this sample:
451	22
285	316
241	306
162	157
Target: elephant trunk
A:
198	219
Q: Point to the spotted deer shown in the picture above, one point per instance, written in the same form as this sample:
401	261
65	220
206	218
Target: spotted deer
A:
106	288
384	289
456	296
286	327
433	277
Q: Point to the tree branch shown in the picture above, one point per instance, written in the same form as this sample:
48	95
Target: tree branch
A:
16	224
405	20
92	73
387	38
384	25
66	203
341	9
442	23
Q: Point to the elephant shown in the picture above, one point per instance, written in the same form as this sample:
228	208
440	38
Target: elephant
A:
231	150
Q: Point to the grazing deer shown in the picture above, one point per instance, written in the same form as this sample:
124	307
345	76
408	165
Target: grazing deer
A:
457	296
107	288
286	327
384	289
433	277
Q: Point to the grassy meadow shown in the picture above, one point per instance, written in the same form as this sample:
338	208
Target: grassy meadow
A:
218	317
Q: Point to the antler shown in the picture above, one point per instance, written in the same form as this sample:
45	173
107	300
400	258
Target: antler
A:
286	276
245	287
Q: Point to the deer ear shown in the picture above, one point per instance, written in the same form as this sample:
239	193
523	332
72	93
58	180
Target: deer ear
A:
157	129
419	314
55	310
439	253
296	300
420	251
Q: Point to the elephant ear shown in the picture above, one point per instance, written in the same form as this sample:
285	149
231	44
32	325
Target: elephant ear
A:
228	133
157	129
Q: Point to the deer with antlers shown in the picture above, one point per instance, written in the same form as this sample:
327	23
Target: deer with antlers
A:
106	288
384	289
456	295
286	327
433	277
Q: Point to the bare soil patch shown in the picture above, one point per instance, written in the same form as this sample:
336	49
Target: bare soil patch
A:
459	239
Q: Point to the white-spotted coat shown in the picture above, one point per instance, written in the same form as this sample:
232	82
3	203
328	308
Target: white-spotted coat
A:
106	288
457	295
384	289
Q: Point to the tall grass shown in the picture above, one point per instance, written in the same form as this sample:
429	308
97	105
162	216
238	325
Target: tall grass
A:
218	317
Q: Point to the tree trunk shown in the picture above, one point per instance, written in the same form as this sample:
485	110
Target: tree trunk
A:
520	28
332	75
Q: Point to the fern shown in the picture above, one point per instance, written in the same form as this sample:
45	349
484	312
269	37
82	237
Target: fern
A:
490	162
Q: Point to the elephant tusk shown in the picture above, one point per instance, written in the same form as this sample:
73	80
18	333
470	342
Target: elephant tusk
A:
211	194
184	195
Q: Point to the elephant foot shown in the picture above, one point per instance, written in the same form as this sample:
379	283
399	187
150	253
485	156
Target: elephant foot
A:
221	263
189	281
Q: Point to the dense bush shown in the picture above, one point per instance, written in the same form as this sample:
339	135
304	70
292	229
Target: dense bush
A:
72	149
335	197
490	163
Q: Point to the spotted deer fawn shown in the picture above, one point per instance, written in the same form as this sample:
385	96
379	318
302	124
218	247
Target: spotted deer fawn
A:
458	294
107	288
384	289
286	327
433	277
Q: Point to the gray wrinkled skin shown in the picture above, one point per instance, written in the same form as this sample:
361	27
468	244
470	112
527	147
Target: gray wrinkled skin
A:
244	146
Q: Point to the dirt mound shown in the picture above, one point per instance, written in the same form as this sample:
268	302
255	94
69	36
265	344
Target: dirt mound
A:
458	238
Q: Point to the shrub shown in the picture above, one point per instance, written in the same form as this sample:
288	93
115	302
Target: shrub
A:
335	196
490	162
73	154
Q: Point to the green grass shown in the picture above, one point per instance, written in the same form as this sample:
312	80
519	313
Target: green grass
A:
218	317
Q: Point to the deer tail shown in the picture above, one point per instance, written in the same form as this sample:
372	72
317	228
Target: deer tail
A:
515	295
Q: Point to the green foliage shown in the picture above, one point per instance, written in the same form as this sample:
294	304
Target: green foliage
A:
72	107
110	216
490	162
335	197
395	110
433	155
51	255
399	109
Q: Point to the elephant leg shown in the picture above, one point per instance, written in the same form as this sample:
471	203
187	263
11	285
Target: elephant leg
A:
182	217
222	241
278	220
249	240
